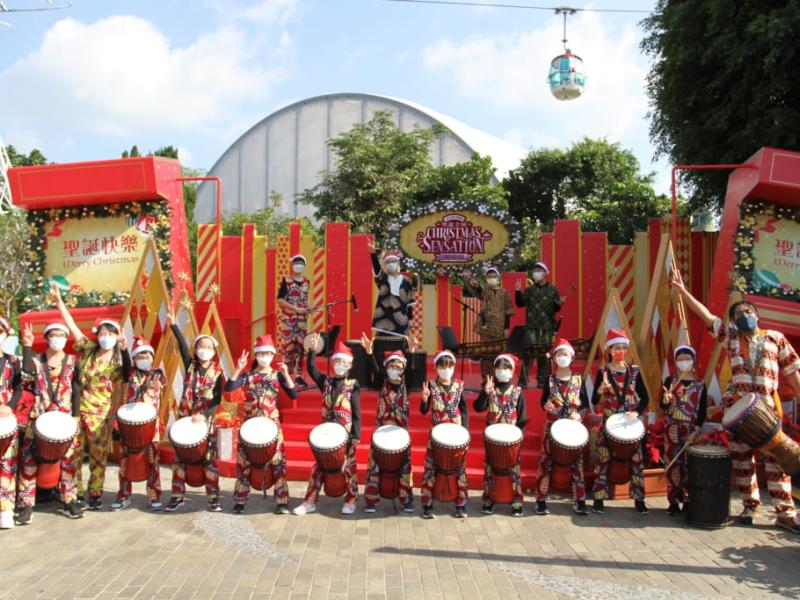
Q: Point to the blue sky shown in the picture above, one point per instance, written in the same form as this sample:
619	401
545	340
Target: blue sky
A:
88	82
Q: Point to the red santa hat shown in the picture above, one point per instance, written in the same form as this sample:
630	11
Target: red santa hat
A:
442	354
264	343
342	352
205	336
392	255
396	355
141	345
491	269
562	344
98	323
57	325
6	325
684	348
616	336
509	357
540	265
298	258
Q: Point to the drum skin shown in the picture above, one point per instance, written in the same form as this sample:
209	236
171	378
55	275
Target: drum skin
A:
390	460
567	447
260	452
502	455
136	434
448	458
53	435
191	451
709	486
621	448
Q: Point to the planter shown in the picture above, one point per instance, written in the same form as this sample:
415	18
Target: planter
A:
655	486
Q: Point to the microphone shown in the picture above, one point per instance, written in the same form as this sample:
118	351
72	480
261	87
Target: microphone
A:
353	300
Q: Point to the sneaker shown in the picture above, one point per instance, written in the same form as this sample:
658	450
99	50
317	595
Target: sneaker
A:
579	508
155	505
641	507
25	516
541	507
281	509
7	519
747	516
370	507
95	503
685	508
598	507
516	511
788	524
174	503
120	504
305	508
348	508
72	511
674	509
238	509
408	505
81	503
427	512
214	505
488	508
461	512
300	382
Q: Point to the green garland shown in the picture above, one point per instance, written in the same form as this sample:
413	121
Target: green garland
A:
38	220
744	276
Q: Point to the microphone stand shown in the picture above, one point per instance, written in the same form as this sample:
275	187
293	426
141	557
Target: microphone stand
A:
328	306
465	307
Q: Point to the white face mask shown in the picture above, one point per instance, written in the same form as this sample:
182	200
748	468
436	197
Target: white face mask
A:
503	375
298	268
264	360
392	267
204	354
492	281
107	341
341	369
684	365
144	364
563	360
394	374
57	343
538	275
446	373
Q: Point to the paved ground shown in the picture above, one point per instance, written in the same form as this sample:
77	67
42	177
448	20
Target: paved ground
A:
196	554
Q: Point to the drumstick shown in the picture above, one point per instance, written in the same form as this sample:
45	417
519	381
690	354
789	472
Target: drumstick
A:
677	456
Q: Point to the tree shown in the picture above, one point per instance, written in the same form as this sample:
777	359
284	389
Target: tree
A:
269	221
13	260
594	181
471	179
722	84
18	159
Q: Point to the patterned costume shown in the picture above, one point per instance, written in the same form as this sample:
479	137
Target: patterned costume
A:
53	390
294	326
541	302
685	412
755	364
561	400
627	393
496	311
505	404
393	308
10	391
447	405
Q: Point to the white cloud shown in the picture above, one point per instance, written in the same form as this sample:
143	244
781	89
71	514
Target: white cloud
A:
267	13
122	76
185	156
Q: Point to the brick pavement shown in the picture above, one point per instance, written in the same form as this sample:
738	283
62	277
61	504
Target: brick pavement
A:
196	554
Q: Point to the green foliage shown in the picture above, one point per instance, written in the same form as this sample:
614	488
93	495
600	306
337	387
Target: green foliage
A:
594	181
13	261
18	159
472	179
722	84
269	221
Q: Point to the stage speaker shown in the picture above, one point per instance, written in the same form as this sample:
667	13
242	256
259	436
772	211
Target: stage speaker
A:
518	341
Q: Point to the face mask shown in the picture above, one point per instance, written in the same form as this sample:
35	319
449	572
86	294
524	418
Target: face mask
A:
445	374
746	323
618	356
392	267
264	360
493	281
503	375
394	374
684	365
538	275
144	364
563	361
341	370
57	343
204	354
298	268
107	341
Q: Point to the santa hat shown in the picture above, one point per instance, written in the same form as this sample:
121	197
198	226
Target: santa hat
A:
616	336
541	265
491	270
264	343
392	255
98	323
6	325
442	354
684	348
141	345
206	336
396	355
298	258
56	326
562	344
343	352
509	357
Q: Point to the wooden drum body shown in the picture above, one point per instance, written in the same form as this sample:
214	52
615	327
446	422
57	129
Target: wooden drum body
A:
328	443
624	437
137	425
390	446
8	429
53	435
449	445
752	421
258	440
709	486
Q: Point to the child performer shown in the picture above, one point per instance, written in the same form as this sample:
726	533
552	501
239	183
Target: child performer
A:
10	392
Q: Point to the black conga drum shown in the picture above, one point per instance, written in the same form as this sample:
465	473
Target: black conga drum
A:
709	486
417	370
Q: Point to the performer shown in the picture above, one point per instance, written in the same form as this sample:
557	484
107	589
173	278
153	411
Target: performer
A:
340	404
293	300
393	309
144	385
202	393
758	357
621	388
260	385
104	367
541	302
684	403
496	310
392	410
444	397
10	392
506	404
54	377
564	397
